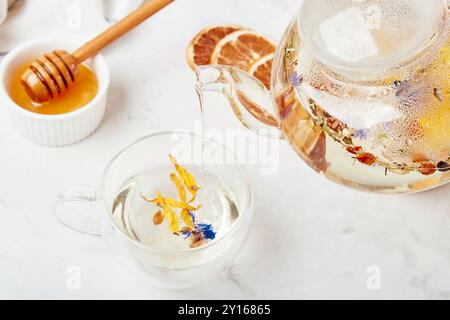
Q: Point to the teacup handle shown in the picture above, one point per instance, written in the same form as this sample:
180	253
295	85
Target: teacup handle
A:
77	207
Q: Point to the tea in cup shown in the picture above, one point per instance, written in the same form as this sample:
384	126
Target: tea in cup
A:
181	218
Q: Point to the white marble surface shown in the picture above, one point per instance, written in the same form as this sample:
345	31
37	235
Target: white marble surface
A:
310	238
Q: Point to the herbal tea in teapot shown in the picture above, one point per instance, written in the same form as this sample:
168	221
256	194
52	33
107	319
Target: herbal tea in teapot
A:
361	90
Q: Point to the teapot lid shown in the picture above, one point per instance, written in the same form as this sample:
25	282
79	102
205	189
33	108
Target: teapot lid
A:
366	36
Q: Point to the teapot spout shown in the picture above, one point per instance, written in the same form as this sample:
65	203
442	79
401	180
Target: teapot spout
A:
247	96
211	79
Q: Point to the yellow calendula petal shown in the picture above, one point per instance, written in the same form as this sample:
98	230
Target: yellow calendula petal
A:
173	160
146	199
180	204
191	208
159	200
175	203
180	187
185	215
177	210
187	178
191	185
172	218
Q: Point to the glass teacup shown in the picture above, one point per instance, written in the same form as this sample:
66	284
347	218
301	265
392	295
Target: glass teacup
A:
126	223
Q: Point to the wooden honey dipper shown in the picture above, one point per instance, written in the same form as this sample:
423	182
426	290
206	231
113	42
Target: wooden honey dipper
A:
54	72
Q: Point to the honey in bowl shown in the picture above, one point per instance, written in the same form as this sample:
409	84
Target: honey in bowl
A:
75	97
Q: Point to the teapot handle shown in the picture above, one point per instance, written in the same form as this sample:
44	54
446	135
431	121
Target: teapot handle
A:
248	97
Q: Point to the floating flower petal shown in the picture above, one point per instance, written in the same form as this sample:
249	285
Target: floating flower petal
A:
186	217
188	179
180	187
207	230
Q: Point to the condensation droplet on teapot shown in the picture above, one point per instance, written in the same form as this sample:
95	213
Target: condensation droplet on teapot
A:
367	34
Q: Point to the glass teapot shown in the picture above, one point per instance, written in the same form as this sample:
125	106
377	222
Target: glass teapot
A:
360	89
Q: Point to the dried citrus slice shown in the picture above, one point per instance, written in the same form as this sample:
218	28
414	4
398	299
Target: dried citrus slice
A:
242	49
201	47
262	69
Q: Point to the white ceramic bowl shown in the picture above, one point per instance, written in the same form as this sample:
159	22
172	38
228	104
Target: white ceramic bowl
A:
53	130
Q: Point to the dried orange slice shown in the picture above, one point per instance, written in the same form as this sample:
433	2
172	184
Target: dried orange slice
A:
201	47
262	69
242	49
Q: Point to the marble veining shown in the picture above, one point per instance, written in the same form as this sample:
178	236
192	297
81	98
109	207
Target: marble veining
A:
310	238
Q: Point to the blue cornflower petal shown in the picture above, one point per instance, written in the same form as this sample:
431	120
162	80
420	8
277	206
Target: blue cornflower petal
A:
192	216
295	79
187	234
207	230
361	134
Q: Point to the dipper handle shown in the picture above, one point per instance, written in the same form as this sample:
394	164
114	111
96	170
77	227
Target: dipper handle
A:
119	29
53	73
